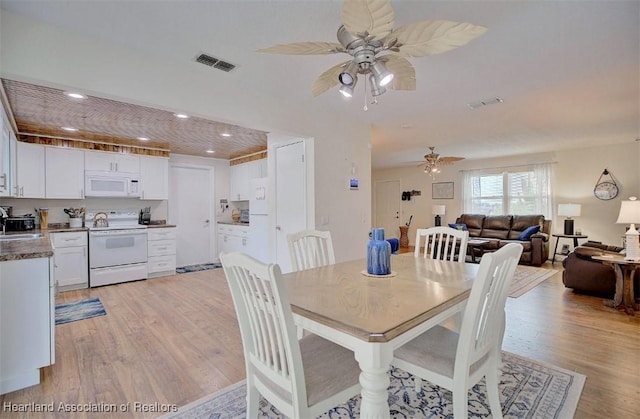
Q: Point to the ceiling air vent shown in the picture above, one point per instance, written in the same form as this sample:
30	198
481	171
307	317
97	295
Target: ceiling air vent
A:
214	62
484	102
224	66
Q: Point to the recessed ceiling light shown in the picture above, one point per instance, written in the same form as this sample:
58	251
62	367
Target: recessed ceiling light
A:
226	134
181	115
75	95
143	139
69	129
211	151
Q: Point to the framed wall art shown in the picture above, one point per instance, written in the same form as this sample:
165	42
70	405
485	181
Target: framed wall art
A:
442	190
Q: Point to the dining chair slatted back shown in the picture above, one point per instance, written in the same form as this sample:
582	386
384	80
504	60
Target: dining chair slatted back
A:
310	249
458	361
444	243
275	360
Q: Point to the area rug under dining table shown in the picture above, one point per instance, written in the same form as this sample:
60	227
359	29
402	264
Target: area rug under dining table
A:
528	388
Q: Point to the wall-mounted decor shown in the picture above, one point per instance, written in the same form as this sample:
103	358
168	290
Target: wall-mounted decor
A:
442	190
606	189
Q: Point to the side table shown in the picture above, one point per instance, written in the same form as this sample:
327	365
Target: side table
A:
624	296
575	238
473	244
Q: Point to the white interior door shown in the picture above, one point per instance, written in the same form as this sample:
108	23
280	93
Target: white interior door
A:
190	199
291	197
387	210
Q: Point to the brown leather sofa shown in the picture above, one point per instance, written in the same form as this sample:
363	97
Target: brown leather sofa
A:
589	276
503	229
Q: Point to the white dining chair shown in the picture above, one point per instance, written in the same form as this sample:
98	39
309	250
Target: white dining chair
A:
301	378
442	243
457	361
310	249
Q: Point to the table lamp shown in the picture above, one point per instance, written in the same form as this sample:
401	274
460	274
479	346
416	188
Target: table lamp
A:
630	214
569	210
438	210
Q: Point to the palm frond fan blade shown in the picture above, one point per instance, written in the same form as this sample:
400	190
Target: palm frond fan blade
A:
449	160
431	37
373	17
304	48
328	79
404	75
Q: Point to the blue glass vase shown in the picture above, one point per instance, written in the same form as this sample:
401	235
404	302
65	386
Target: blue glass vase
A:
378	254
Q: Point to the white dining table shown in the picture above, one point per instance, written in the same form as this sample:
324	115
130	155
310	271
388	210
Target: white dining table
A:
372	316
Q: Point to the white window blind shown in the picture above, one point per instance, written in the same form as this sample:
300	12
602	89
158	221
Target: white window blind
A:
519	190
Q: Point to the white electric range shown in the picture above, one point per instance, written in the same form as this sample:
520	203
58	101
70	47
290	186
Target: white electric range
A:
117	247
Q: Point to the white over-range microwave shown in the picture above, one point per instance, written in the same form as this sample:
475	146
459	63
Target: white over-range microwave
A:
111	185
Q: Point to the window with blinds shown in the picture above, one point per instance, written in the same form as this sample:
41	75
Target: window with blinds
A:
521	191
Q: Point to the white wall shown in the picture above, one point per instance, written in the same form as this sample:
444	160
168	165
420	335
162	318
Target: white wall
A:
576	173
120	74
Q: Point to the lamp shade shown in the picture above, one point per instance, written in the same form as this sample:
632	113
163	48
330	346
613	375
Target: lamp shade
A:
629	211
438	209
569	210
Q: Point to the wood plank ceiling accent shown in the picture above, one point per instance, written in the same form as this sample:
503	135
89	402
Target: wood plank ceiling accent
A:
41	111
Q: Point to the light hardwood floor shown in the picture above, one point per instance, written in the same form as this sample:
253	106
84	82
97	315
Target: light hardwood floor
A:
173	340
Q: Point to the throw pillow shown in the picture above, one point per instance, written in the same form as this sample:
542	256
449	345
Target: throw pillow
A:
528	232
459	226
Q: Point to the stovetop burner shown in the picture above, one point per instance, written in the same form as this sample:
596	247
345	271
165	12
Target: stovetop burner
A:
112	220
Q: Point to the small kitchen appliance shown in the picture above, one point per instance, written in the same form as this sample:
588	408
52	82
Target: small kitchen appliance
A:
144	217
24	223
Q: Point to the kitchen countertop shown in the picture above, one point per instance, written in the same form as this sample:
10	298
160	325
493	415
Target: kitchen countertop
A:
234	223
160	225
27	248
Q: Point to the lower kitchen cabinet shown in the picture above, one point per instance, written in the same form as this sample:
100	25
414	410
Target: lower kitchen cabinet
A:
71	269
161	251
233	238
27	340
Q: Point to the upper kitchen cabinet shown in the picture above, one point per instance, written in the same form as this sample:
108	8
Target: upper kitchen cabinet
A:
154	175
111	162
64	173
7	155
30	171
240	176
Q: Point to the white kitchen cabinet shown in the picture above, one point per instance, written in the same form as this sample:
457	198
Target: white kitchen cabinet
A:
233	238
30	168
64	173
7	154
71	269
239	182
154	176
111	162
27	322
161	251
240	177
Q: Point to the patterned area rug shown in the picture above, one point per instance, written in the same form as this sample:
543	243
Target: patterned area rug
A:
529	389
527	278
79	310
194	268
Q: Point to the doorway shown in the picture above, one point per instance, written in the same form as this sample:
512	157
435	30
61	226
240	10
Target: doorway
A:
190	199
387	207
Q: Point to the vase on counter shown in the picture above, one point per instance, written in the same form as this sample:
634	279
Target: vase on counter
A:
378	254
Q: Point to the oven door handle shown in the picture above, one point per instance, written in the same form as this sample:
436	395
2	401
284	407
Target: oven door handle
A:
112	233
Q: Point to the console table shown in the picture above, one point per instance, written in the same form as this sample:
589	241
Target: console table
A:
625	270
575	238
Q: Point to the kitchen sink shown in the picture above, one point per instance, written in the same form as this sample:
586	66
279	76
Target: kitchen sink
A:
10	237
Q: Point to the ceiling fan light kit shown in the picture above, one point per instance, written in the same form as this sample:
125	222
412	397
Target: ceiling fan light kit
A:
433	162
378	52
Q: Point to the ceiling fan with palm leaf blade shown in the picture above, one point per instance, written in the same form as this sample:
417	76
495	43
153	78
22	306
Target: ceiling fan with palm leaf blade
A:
433	161
378	52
